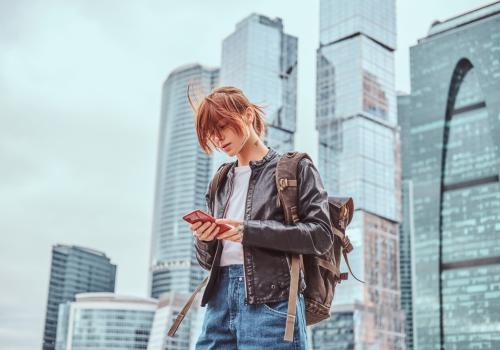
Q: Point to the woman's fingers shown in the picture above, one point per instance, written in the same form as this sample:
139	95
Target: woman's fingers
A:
231	222
201	229
205	232
232	234
214	233
198	228
195	226
235	238
228	234
208	231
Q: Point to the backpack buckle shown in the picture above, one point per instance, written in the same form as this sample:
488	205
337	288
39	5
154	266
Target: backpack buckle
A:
283	183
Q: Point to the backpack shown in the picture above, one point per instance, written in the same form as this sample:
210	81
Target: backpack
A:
321	272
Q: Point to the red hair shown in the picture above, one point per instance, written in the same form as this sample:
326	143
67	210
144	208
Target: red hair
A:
226	103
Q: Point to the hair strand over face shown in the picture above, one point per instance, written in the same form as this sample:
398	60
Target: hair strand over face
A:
228	105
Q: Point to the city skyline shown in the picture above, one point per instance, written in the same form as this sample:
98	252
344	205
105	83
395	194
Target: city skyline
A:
95	195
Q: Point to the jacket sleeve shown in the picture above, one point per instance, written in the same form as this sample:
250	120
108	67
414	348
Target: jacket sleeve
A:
312	234
205	250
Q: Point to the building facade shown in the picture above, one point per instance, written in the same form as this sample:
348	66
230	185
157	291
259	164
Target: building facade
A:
259	58
182	176
105	321
62	325
74	270
358	156
454	164
406	228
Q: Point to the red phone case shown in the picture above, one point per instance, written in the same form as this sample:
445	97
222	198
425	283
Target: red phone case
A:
199	215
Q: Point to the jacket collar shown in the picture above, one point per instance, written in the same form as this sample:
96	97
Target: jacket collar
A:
271	153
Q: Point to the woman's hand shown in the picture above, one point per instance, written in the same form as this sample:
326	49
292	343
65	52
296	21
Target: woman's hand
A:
204	231
235	234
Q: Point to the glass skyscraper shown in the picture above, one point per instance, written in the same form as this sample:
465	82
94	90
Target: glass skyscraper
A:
74	270
453	162
182	177
358	156
259	58
105	321
406	228
62	325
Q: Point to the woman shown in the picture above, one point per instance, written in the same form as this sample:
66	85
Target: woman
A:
247	292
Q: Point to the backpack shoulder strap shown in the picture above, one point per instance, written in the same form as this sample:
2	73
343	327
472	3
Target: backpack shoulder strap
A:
216	181
287	186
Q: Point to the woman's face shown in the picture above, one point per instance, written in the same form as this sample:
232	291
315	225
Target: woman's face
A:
230	142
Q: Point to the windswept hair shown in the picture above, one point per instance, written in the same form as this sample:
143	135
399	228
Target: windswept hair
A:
225	104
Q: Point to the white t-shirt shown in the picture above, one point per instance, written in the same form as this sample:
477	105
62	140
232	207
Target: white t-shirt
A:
232	252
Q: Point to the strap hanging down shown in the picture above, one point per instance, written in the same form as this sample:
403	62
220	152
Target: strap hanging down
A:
292	299
185	309
346	248
213	187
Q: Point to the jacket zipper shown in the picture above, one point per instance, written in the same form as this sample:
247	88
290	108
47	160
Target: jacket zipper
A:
243	247
244	275
224	216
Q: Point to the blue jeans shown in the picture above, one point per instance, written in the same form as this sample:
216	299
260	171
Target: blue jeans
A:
229	323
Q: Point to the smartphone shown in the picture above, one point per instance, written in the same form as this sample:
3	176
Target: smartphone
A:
199	215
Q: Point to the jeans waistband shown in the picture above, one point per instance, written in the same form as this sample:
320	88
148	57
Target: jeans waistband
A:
234	270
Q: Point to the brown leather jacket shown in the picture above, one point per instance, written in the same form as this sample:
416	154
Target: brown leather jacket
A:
266	240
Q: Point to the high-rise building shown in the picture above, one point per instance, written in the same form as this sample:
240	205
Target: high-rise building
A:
406	227
358	156
453	162
182	176
62	325
105	321
74	270
259	58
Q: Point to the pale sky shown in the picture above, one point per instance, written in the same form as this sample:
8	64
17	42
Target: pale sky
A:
80	85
